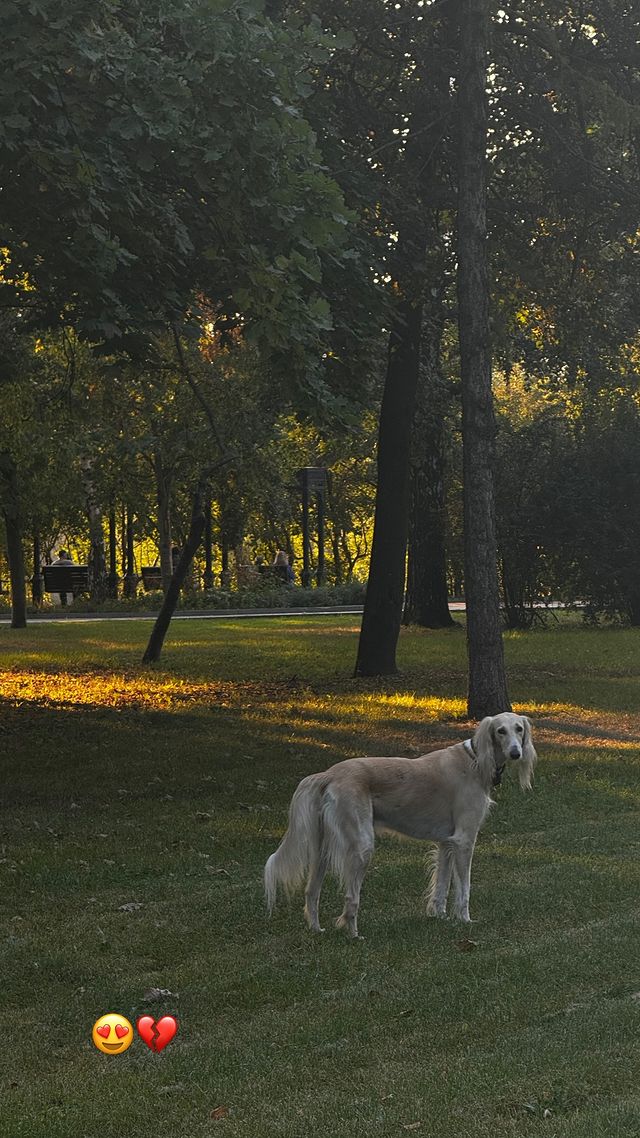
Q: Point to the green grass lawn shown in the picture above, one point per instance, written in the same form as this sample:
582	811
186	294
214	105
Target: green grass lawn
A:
169	788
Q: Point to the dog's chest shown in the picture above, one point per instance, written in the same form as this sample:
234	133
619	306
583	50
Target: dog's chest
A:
428	822
432	810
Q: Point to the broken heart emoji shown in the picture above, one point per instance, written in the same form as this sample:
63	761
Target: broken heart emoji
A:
157	1035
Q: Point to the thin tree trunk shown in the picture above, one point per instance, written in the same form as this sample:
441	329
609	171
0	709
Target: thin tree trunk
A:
97	561
9	495
382	614
427	601
36	580
164	480
128	571
208	546
113	567
487	681
194	537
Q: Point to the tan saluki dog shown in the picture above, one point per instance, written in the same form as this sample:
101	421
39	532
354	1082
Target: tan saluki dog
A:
442	797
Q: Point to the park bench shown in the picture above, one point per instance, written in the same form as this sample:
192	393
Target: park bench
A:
151	578
63	579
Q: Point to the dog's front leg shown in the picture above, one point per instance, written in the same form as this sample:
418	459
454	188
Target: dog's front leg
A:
441	881
462	857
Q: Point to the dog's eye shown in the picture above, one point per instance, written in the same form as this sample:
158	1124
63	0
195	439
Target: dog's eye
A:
502	730
519	727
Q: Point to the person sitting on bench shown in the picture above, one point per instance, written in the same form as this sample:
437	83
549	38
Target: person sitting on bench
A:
63	558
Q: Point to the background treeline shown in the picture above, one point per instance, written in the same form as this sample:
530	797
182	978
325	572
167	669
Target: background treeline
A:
230	249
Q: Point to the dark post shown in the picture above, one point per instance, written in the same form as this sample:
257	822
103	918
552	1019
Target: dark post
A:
208	562
112	580
36	580
313	480
306	571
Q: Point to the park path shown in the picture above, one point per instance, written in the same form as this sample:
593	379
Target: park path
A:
224	614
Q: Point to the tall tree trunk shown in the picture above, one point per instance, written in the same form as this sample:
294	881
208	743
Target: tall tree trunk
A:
10	498
164	479
487	681
36	580
194	537
128	566
97	560
113	566
382	614
427	601
207	580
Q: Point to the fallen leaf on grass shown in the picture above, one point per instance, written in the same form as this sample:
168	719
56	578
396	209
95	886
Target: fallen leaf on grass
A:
411	1125
466	945
219	1112
158	994
130	907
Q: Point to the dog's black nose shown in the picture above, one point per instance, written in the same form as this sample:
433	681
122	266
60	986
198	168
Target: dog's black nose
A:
515	752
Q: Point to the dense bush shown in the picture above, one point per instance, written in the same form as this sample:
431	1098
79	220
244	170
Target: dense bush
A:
275	597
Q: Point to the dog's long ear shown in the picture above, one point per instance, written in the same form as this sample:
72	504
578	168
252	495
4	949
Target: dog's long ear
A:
529	757
483	748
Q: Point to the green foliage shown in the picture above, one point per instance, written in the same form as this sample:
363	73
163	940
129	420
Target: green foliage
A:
151	150
600	499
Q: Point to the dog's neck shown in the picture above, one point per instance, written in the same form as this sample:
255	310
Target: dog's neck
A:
497	773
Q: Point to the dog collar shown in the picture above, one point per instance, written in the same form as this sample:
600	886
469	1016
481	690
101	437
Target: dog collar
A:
497	774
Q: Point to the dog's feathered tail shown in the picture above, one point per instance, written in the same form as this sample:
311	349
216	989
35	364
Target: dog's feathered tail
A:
301	844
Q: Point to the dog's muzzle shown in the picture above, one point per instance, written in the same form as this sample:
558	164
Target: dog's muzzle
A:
515	752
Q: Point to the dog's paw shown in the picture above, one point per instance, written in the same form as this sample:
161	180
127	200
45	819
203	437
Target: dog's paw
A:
434	911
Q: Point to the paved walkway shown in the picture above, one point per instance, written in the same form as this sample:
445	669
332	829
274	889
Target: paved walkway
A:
196	614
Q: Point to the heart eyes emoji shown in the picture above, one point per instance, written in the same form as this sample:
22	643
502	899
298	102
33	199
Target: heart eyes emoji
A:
112	1034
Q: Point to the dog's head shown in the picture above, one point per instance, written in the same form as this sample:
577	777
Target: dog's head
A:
502	738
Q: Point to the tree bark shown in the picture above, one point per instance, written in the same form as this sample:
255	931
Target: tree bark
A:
382	614
128	573
164	479
487	693
194	537
97	563
112	581
427	600
36	580
10	497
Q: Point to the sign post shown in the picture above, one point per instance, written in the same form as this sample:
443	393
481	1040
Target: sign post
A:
313	480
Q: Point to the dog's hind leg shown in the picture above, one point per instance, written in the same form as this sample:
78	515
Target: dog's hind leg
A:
441	880
317	872
354	876
349	828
